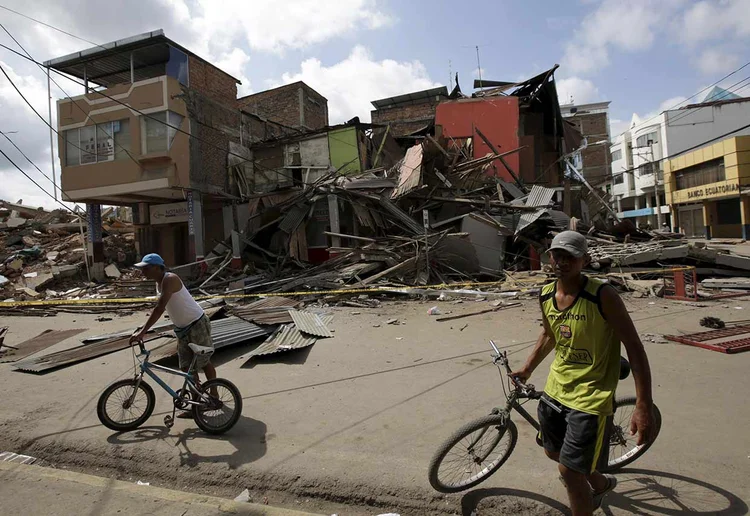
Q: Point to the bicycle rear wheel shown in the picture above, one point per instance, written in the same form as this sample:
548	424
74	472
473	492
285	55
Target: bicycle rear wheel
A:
473	453
223	409
623	447
122	407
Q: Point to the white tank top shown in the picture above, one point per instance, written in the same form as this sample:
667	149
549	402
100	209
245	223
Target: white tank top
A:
181	307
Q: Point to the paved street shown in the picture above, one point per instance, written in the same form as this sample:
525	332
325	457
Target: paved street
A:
349	425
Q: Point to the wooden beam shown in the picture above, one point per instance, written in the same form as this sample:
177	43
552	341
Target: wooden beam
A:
502	160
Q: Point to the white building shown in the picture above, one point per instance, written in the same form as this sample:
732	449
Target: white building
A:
638	153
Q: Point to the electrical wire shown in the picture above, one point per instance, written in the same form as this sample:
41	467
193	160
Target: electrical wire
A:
37	184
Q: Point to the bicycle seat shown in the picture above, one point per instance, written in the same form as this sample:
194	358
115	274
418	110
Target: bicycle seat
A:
200	350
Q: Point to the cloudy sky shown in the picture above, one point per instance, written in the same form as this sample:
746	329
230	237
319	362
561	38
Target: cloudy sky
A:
642	55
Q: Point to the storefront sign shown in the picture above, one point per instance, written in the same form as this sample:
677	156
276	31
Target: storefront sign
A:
711	191
191	213
169	213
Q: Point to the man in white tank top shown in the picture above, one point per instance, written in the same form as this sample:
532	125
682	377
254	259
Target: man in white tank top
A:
190	322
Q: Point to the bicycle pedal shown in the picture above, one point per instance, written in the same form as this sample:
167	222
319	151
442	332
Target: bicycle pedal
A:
168	421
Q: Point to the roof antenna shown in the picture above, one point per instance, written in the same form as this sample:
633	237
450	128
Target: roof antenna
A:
479	68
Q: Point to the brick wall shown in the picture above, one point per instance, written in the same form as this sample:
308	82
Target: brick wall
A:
405	119
294	105
596	159
211	82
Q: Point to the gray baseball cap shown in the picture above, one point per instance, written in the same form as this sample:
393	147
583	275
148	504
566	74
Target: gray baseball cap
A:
570	241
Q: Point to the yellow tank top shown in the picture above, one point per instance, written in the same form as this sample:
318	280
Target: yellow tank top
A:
586	368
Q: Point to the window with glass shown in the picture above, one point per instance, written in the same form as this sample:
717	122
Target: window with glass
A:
702	174
107	141
643	141
160	130
618	179
616	155
177	66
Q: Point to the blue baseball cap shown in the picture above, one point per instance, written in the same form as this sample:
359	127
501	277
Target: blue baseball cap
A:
150	259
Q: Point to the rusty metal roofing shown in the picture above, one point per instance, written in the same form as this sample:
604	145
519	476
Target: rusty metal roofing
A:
539	197
310	323
287	338
294	218
34	345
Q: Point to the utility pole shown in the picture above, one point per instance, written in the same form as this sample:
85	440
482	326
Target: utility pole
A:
51	138
656	185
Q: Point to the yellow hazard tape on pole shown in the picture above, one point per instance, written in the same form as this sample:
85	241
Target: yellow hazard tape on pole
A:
384	290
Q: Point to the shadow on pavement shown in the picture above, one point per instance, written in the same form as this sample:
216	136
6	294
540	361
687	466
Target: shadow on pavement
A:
292	357
641	491
248	437
509	501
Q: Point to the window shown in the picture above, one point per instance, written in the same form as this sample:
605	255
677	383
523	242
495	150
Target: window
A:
177	66
702	174
160	130
617	155
618	179
101	142
642	141
647	169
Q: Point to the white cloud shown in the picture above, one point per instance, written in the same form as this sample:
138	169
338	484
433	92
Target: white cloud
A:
714	61
716	19
617	127
627	26
576	90
234	64
351	84
265	26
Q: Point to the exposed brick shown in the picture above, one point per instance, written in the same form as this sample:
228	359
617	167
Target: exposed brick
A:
212	82
405	119
294	105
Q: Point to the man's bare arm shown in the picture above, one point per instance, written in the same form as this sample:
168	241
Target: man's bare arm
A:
544	345
618	317
170	285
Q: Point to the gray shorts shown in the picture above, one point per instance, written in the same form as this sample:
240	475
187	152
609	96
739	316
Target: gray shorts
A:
199	333
581	439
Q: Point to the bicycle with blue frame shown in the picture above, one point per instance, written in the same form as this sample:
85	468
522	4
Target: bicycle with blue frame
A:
216	405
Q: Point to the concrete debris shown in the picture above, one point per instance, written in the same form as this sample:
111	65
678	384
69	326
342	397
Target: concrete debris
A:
112	271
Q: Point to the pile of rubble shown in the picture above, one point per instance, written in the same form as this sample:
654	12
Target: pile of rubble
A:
43	252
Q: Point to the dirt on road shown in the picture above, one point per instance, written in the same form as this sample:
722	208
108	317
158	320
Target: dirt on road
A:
349	425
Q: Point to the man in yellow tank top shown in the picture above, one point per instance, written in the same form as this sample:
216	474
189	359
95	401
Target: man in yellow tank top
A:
584	322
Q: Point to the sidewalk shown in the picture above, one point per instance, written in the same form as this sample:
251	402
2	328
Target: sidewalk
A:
46	491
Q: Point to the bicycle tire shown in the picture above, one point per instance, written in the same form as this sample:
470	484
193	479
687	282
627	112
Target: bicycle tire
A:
622	460
486	422
204	422
107	419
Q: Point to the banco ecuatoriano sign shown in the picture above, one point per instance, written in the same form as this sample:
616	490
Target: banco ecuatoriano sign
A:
710	191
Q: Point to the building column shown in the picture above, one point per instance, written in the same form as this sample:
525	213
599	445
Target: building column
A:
95	246
707	219
195	226
619	204
649	204
745	211
231	230
675	216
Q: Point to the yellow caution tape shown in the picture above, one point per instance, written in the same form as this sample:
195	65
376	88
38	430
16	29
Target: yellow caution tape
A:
130	300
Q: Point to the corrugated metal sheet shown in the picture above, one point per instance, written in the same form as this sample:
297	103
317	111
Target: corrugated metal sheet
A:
287	338
310	323
367	184
72	356
512	189
35	345
294	218
269	310
269	302
539	197
411	224
98	338
560	218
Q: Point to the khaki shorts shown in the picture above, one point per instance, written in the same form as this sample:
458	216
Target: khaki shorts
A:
199	333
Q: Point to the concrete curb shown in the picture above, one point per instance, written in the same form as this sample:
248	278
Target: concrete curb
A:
34	473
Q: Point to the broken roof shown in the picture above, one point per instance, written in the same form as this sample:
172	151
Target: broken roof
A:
109	64
416	97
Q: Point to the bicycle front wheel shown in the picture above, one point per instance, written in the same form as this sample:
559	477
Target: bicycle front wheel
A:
223	408
473	453
124	407
623	447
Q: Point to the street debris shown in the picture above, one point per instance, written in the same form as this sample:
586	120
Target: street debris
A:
434	311
480	312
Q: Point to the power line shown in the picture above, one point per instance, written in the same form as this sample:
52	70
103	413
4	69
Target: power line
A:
66	94
50	26
37	184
